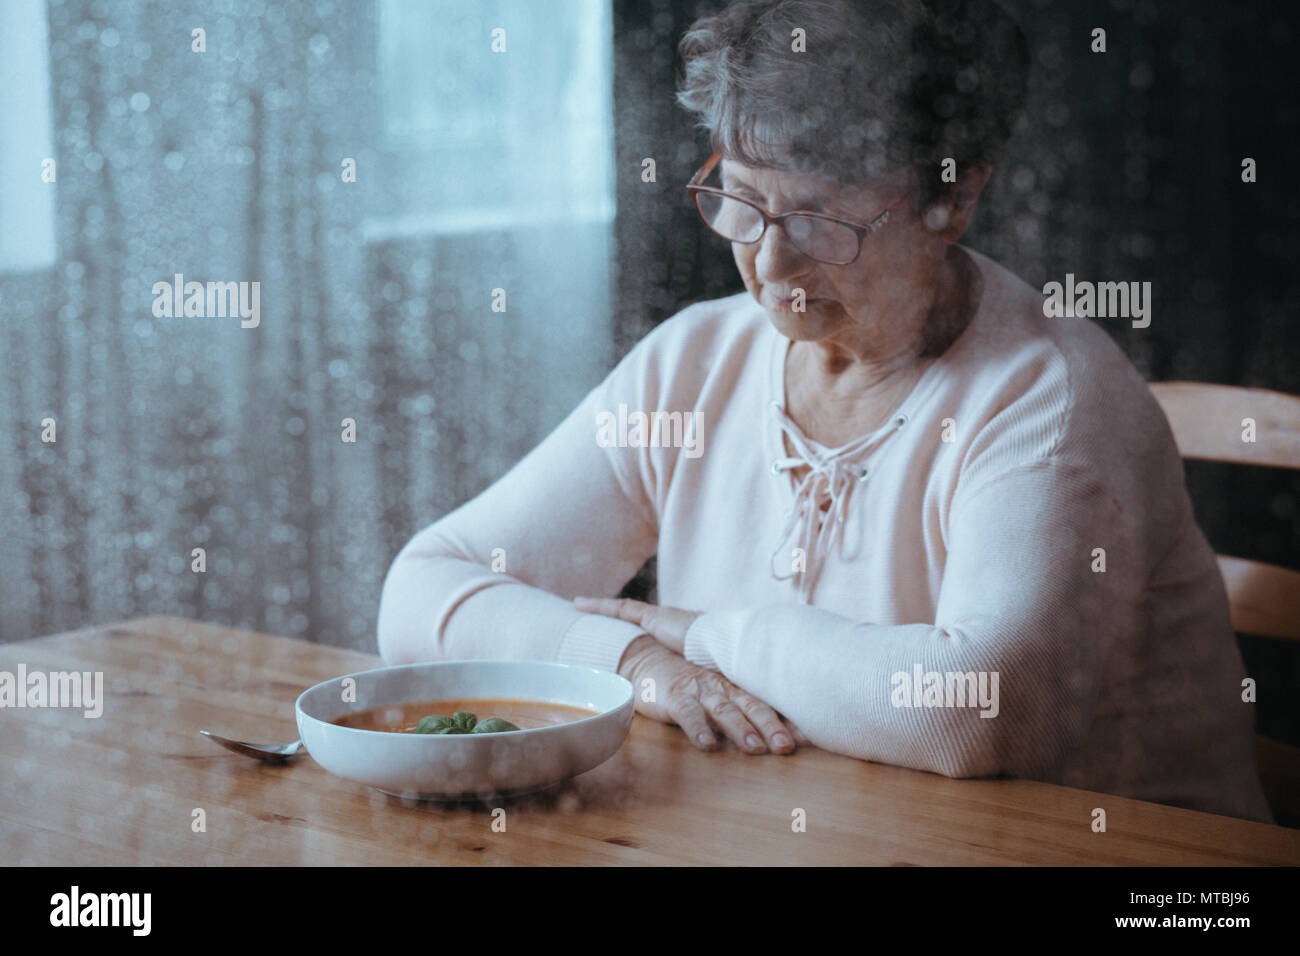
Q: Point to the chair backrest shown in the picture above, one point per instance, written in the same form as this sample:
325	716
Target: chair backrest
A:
1242	426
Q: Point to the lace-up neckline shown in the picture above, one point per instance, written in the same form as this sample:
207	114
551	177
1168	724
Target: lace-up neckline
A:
816	518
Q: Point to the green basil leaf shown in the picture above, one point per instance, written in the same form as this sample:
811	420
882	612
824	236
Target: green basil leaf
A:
432	724
494	725
451	729
465	719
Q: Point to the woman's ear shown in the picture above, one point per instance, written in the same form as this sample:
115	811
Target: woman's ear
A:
951	215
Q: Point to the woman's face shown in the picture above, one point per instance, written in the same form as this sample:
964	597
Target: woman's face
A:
875	307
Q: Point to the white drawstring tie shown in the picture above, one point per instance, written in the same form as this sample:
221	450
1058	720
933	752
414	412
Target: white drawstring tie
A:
830	476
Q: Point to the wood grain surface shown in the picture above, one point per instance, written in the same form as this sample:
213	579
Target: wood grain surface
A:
122	789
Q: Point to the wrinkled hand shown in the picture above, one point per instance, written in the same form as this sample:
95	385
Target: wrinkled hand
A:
697	699
667	625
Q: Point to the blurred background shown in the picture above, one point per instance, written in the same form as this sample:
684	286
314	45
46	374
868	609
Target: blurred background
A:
522	171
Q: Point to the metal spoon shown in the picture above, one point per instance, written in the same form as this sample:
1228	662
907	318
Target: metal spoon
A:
270	753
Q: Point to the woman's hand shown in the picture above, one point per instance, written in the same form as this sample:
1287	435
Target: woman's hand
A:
691	696
667	625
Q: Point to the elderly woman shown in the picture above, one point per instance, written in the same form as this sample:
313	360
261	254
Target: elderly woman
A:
898	512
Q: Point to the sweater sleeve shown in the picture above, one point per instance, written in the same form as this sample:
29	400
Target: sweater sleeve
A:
1020	598
495	578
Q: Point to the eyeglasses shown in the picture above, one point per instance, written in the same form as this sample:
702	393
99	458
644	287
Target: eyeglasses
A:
818	236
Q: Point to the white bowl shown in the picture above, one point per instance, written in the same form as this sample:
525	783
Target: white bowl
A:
460	766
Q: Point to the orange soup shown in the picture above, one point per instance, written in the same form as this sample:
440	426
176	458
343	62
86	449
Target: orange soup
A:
524	714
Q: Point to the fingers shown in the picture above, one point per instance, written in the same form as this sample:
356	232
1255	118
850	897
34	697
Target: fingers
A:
668	625
703	703
625	609
778	737
733	721
690	715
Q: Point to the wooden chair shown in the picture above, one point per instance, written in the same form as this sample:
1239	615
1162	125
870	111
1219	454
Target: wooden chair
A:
1207	422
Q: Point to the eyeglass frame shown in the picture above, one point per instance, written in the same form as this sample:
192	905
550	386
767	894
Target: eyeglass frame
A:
695	187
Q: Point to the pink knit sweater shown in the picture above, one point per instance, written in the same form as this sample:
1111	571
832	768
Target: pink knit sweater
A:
1008	578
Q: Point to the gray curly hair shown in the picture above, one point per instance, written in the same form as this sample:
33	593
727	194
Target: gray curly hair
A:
883	84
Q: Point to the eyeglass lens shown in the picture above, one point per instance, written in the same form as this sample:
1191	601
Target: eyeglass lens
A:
738	221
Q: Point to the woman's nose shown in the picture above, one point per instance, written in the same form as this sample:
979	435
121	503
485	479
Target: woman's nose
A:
777	257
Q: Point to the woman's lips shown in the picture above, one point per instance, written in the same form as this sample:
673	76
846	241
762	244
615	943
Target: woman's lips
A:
787	305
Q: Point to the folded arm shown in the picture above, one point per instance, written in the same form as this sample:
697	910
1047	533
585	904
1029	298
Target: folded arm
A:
1019	599
494	578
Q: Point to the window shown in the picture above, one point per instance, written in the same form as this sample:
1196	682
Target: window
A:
480	139
27	242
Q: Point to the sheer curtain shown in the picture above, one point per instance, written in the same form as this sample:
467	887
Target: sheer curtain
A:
475	171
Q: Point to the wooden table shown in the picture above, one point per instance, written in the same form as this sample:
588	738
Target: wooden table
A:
122	789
